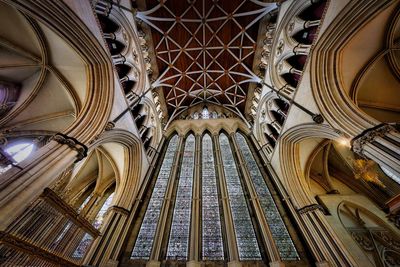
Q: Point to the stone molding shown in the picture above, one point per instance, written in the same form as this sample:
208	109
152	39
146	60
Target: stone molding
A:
73	143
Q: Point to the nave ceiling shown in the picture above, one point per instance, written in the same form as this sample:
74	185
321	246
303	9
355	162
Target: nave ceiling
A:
204	50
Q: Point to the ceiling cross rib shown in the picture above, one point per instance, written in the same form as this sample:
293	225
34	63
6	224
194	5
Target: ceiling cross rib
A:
205	50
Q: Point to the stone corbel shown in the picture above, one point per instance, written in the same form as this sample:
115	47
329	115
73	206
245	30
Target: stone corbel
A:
73	144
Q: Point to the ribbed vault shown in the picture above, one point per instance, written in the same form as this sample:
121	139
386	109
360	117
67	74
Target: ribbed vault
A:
204	50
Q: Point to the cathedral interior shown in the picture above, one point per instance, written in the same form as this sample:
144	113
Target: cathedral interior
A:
200	133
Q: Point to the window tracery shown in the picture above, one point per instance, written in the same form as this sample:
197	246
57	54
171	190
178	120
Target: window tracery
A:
180	229
147	231
18	152
212	233
212	246
278	229
98	221
245	235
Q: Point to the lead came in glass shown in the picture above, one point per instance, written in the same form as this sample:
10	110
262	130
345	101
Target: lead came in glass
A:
245	235
280	234
212	247
147	231
180	229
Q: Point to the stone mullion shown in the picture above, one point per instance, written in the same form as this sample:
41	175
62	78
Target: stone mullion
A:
195	222
108	245
268	240
233	251
88	208
167	205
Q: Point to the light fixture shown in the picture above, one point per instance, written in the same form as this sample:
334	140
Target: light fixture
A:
343	141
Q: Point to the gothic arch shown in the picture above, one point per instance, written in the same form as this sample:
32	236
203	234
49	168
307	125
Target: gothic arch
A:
326	74
91	119
131	168
293	176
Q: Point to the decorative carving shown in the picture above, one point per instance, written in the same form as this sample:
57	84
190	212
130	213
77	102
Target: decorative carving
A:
310	208
280	47
368	136
73	144
109	126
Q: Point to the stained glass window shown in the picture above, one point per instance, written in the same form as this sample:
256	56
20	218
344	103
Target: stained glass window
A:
180	229
147	231
205	114
212	248
84	203
280	234
245	235
18	152
98	221
83	246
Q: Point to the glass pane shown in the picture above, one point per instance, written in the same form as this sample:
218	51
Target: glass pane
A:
211	223
19	153
245	235
205	114
280	234
83	246
84	203
180	229
100	216
147	231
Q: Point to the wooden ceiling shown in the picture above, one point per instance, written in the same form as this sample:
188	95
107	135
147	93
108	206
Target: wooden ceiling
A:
204	50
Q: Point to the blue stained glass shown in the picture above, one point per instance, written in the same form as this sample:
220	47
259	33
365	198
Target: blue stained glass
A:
245	235
144	242
98	221
278	229
180	230
212	247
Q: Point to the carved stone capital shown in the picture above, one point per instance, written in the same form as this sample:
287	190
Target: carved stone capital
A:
368	136
73	144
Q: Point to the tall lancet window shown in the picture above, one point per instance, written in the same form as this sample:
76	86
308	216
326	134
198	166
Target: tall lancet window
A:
245	235
212	247
180	229
147	231
280	234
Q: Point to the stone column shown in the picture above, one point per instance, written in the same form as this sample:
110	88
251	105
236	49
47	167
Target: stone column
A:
195	222
19	187
233	251
380	144
108	245
327	249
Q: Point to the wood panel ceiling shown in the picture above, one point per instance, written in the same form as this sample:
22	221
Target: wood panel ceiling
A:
204	50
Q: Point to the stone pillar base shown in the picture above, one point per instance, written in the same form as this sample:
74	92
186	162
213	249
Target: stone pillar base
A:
276	264
234	264
153	264
193	264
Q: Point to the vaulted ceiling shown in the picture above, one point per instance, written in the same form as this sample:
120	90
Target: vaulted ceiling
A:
204	50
